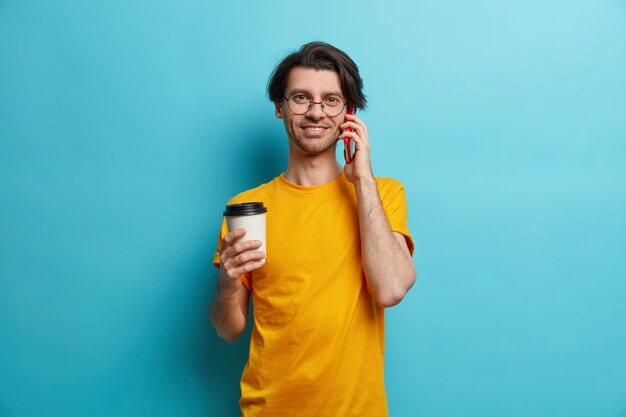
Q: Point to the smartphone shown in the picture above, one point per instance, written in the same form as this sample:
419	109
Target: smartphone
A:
348	149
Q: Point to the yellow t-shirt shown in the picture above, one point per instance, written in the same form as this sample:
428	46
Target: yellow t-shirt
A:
317	343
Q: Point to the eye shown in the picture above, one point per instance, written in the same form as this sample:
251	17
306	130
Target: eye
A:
333	101
300	98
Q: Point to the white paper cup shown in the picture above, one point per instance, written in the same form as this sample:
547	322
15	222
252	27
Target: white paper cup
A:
249	216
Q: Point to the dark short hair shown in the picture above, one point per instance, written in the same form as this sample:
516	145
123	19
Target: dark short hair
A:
321	56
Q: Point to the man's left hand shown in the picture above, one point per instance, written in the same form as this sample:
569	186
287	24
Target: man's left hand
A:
361	167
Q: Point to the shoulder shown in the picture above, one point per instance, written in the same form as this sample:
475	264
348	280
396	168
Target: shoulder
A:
388	185
253	194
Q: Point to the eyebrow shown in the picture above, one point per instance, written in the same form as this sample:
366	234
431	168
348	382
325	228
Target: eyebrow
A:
324	93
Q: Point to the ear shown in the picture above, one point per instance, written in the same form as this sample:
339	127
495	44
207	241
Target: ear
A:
279	109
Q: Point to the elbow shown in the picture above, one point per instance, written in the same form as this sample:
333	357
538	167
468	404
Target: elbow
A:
393	296
390	298
228	331
229	337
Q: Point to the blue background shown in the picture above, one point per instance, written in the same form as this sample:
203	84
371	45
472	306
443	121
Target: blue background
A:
125	126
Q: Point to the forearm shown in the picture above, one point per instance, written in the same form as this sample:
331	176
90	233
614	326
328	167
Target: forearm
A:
227	314
386	261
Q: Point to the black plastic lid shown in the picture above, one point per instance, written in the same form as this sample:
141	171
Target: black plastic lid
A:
245	209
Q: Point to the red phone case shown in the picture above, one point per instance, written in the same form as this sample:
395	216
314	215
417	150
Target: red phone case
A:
348	153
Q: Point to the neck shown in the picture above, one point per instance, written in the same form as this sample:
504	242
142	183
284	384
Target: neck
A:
310	170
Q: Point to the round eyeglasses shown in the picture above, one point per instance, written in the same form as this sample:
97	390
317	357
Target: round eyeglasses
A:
300	103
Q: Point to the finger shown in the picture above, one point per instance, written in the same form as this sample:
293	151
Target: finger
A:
234	275
360	142
233	235
233	268
351	125
354	118
233	259
240	247
246	245
357	130
348	134
245	257
249	267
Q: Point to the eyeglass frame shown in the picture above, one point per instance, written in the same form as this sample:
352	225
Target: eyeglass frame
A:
311	102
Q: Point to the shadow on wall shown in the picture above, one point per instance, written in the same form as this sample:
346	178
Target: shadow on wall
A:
211	366
256	153
252	152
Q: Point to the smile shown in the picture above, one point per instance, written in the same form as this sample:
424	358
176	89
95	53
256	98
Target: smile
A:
315	129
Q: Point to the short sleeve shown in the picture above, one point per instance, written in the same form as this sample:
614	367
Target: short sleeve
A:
393	198
245	278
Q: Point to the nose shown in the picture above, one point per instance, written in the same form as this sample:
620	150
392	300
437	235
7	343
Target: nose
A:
315	110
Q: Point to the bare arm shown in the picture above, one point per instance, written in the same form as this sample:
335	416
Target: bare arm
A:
229	308
386	258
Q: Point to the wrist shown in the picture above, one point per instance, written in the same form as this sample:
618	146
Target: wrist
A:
229	294
367	183
228	287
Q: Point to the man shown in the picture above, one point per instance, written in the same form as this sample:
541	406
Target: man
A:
338	253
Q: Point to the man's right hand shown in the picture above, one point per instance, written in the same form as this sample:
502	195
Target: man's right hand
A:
229	308
238	258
